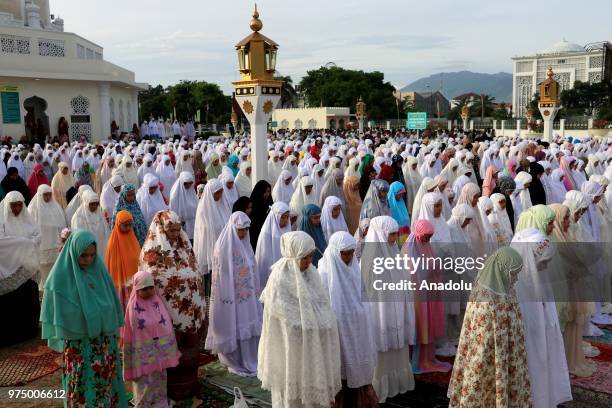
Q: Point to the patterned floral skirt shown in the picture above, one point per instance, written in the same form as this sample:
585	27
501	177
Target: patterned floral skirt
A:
92	374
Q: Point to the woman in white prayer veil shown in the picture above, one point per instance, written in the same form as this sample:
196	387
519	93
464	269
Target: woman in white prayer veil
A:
332	219
184	163
283	189
353	168
394	321
303	195
500	216
77	161
604	209
302	172
20	225
432	210
478	237
413	180
166	174
110	195
243	181
290	165
89	217
592	219
428	185
150	198
50	217
146	167
275	166
428	169
235	312
494	232
76	201
341	276
548	372
127	170
522	194
230	195
184	202
557	189
318	176
211	217
267	251
464	177
299	349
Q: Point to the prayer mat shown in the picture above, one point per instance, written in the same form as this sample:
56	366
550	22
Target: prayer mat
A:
600	381
26	366
218	376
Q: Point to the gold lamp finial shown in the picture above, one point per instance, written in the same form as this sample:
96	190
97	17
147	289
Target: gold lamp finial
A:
256	23
549	72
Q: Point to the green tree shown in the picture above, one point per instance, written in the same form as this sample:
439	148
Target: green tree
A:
337	87
501	113
154	102
483	106
585	98
533	105
288	93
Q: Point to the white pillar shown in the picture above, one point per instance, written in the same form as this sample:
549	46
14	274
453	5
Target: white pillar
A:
590	123
472	124
361	125
465	124
562	127
518	126
134	104
105	121
259	151
450	125
388	125
495	125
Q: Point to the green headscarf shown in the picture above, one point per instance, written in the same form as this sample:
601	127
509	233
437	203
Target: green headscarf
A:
498	269
367	160
538	217
78	303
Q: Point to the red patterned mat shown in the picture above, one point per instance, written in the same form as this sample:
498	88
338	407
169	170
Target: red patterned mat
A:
601	381
27	366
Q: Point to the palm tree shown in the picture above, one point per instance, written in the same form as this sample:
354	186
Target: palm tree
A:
288	93
484	105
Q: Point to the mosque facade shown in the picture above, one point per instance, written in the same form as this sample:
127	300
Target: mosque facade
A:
570	62
47	74
311	118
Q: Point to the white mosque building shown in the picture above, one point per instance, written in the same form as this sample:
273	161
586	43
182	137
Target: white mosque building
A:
47	74
570	63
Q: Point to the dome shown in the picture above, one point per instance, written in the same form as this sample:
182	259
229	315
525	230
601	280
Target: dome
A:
563	47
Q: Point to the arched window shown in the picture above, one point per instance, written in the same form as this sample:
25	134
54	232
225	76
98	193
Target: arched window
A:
312	124
297	124
332	124
341	123
284	124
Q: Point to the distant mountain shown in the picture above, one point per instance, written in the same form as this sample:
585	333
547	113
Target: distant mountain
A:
456	83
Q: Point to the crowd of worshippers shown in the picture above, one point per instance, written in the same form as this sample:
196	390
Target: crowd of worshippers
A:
148	254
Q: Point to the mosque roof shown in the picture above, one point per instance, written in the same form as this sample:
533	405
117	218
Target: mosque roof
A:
563	47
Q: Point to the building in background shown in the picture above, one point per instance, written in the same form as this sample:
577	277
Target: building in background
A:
311	118
47	74
570	62
434	103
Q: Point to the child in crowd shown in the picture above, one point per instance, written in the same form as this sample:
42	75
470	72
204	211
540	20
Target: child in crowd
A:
149	345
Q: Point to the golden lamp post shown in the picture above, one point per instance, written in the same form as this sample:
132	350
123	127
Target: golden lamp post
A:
257	92
360	113
549	102
465	115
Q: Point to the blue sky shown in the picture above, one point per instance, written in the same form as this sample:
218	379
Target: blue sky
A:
166	41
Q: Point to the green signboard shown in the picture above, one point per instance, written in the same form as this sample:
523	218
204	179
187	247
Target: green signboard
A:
274	124
11	114
417	120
